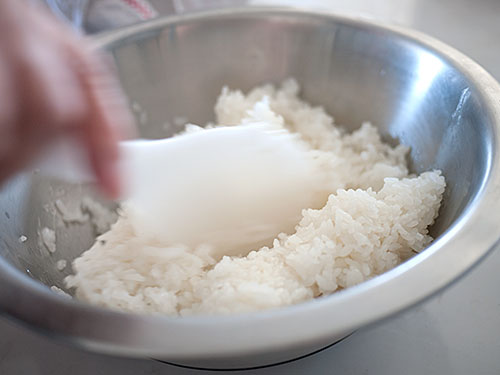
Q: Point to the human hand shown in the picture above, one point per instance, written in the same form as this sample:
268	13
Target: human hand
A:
53	83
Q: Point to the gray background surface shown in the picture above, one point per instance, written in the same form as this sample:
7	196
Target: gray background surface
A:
456	332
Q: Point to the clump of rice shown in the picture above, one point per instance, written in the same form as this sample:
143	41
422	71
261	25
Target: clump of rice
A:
48	238
376	217
61	264
88	209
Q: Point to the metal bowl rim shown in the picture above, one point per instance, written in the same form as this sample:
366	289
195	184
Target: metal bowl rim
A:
320	318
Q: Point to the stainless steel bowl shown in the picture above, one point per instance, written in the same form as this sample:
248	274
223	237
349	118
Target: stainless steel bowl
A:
414	88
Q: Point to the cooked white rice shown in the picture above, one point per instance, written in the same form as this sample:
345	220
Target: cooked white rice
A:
61	264
376	217
47	237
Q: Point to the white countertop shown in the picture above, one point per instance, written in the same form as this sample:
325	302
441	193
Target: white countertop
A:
456	332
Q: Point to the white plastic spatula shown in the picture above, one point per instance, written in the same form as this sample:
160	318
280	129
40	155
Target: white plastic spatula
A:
235	188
